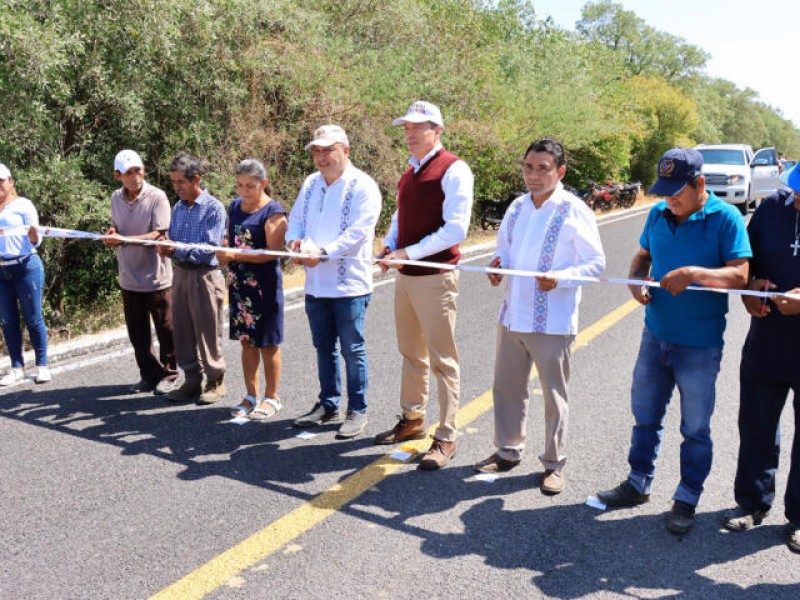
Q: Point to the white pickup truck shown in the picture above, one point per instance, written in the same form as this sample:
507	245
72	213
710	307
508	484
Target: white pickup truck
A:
737	175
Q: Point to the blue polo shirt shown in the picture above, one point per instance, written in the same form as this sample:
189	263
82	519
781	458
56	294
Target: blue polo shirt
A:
709	238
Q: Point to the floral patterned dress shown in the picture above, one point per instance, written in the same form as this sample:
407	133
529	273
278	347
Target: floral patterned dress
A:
255	291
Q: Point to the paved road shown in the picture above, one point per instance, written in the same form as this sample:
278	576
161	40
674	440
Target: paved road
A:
108	495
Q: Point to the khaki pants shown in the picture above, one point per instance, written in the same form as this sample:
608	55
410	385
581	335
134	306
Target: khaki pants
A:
197	311
425	317
516	354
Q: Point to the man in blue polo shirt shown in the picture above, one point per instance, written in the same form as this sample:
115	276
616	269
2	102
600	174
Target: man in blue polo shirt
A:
690	238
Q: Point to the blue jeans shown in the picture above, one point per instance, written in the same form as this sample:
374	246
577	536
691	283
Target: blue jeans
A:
659	368
335	323
21	288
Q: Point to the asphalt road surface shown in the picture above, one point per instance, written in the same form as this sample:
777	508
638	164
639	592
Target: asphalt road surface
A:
110	495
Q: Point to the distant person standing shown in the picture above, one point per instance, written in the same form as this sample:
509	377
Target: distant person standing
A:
690	238
434	204
255	287
546	230
334	218
21	282
198	292
769	367
140	210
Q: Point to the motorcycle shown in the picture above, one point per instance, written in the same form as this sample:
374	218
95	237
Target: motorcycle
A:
604	197
492	211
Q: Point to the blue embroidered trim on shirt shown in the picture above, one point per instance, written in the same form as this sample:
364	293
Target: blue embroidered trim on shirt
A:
307	201
545	261
344	223
512	221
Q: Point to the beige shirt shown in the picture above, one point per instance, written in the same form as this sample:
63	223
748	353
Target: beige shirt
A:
141	269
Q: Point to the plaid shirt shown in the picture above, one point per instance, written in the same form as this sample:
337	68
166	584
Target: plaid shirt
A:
204	222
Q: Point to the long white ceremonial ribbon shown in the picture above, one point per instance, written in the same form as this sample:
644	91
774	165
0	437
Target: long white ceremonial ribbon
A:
56	232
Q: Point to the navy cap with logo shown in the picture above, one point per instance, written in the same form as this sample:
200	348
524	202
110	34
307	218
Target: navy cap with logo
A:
676	168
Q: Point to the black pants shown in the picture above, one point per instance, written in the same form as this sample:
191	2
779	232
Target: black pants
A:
140	307
761	402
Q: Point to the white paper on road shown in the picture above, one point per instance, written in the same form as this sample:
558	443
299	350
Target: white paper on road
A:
306	435
487	477
402	455
595	503
239	420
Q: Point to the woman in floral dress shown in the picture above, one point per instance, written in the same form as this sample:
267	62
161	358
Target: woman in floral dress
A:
255	287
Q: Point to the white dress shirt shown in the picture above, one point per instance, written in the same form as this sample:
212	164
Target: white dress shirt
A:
339	218
560	236
457	185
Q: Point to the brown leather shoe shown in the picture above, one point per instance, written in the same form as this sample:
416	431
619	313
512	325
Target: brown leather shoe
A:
438	456
406	429
495	464
553	482
213	392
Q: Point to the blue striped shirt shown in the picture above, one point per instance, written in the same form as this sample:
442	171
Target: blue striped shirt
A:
204	222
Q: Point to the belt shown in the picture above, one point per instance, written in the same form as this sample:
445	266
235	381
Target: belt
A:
14	261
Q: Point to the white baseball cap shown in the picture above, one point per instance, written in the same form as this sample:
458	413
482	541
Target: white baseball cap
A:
328	135
421	112
127	159
4	172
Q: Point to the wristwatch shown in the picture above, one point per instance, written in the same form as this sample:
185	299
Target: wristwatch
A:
323	255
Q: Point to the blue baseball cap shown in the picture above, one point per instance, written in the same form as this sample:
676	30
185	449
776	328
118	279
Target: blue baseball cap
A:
676	168
791	178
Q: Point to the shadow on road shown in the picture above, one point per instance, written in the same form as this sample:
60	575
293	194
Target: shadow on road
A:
571	550
185	434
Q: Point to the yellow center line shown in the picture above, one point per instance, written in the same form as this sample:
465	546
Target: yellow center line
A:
220	569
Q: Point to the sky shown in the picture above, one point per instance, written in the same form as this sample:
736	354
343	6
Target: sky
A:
751	42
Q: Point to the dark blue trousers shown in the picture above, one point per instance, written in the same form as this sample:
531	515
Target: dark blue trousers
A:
761	402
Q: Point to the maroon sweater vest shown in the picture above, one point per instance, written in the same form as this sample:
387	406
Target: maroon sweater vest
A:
420	200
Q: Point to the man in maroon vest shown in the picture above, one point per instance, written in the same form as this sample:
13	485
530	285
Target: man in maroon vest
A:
434	203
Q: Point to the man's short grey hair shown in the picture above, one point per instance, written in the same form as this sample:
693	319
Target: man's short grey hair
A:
252	167
188	165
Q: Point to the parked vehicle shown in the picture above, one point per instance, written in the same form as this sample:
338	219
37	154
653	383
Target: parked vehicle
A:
611	195
492	211
628	193
738	175
605	197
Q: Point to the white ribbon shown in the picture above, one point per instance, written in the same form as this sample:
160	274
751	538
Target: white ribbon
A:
56	232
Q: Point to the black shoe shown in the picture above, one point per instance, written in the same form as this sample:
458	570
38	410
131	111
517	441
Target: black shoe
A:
623	495
681	518
319	415
742	519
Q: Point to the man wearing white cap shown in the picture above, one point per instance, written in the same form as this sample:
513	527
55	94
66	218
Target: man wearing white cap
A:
334	218
140	210
768	369
434	203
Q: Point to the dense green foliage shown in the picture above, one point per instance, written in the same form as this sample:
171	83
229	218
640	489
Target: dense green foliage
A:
226	79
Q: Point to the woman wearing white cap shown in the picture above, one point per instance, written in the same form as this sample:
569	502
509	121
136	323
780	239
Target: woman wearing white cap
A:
21	281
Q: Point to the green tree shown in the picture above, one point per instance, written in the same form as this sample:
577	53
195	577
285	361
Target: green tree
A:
646	50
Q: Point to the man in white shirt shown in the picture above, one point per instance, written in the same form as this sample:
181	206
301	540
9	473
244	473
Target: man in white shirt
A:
334	218
434	203
548	230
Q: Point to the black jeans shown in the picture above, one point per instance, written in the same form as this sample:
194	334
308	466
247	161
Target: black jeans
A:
761	402
140	307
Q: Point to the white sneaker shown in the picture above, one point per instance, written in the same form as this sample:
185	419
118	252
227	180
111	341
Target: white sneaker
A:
13	376
43	375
